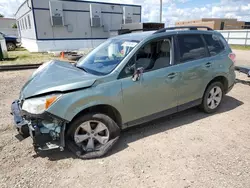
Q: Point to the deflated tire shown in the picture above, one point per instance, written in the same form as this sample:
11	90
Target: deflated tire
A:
92	135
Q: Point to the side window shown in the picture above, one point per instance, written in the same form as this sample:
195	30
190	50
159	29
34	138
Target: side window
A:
214	44
152	56
191	48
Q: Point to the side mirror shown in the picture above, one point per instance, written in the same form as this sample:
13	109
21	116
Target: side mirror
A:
129	70
137	74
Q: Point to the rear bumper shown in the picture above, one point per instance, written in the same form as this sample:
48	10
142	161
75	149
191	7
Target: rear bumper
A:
46	130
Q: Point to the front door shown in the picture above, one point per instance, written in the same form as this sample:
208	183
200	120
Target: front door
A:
155	90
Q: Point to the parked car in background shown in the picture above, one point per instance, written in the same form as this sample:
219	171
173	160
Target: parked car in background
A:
11	41
127	80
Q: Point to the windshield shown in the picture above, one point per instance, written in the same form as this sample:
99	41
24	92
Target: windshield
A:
107	56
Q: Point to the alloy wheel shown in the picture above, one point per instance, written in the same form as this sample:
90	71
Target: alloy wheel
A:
214	97
91	135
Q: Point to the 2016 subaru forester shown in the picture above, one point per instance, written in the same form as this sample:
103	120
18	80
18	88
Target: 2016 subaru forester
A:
127	80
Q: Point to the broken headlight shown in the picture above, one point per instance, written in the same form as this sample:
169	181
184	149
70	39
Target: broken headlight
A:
40	104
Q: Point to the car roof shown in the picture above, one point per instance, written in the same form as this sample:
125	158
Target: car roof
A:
139	36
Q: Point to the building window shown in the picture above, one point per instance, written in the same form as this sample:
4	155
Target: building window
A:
23	24
26	25
18	25
29	23
222	24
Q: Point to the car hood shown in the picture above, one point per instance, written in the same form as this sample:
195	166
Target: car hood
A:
56	76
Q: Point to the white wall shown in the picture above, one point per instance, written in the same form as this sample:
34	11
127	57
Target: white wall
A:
77	15
59	45
22	14
237	37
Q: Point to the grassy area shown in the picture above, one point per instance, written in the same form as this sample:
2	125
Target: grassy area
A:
22	56
240	47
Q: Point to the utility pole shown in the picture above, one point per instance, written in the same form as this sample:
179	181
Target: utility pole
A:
160	11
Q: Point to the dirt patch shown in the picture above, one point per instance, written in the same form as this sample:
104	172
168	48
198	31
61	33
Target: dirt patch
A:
189	149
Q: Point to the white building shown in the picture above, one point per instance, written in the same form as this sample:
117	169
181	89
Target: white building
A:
52	25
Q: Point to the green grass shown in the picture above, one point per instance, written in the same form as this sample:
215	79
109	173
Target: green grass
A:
22	56
240	47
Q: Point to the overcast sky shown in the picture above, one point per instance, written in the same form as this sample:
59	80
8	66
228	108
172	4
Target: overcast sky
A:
173	10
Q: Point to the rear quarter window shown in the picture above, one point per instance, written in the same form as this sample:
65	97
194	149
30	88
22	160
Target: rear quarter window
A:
214	44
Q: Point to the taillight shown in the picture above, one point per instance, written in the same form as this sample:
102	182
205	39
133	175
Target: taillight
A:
232	56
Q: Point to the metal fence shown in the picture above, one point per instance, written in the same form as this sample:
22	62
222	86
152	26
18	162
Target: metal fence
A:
237	37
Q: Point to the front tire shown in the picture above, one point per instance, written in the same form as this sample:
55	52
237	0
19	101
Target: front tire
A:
91	132
213	97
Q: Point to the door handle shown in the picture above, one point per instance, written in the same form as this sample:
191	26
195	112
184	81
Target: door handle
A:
172	75
208	64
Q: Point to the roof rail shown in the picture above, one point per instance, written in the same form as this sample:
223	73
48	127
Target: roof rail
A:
183	27
127	31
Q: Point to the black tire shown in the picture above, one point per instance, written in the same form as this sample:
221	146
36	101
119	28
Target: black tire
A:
11	46
204	106
114	130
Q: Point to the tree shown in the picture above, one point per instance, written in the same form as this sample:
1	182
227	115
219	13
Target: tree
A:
1	15
14	26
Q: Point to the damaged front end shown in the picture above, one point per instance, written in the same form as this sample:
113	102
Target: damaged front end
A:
46	130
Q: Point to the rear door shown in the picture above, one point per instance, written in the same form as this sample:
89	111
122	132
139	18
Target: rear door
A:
195	69
217	50
220	56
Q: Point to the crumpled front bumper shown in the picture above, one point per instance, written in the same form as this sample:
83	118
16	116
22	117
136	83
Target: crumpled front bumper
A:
32	125
20	123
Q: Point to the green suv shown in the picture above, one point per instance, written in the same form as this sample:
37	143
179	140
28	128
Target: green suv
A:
128	80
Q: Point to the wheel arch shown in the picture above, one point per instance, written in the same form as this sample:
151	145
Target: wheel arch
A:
106	109
220	78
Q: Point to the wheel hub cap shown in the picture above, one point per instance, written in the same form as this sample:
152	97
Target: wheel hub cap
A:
91	135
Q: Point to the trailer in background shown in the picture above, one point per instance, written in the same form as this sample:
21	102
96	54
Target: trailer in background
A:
66	25
140	27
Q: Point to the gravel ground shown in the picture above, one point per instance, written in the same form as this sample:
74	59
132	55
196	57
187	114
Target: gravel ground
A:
189	149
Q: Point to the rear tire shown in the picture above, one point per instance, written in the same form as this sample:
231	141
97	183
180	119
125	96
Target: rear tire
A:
213	97
90	132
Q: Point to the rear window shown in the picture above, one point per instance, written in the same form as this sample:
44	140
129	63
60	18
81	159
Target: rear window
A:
214	44
191	48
